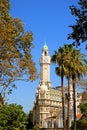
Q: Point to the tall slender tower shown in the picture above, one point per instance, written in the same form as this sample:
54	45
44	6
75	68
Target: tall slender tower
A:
45	66
48	102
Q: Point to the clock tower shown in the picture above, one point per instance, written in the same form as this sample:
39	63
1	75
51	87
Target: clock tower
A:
47	97
45	61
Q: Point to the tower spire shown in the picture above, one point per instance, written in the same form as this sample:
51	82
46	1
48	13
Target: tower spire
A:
45	46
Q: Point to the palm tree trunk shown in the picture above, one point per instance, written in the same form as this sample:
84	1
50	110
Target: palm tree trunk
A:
63	104
68	109
74	100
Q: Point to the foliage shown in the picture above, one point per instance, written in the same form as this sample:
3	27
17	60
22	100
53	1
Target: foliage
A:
81	123
12	117
16	61
70	63
29	124
79	29
36	127
70	58
83	108
60	57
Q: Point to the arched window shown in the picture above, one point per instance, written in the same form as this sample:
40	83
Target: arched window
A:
45	53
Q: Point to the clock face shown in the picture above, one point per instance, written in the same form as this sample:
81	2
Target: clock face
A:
45	60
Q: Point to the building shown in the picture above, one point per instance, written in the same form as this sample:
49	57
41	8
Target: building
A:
47	110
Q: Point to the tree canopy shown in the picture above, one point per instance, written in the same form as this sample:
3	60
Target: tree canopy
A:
79	29
12	117
16	61
82	122
70	63
83	108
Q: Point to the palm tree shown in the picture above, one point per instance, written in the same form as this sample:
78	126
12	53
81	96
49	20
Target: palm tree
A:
58	58
77	65
79	69
70	63
67	58
68	49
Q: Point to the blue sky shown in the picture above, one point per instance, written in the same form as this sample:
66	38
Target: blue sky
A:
49	21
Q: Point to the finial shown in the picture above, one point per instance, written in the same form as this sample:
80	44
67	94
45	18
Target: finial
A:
45	46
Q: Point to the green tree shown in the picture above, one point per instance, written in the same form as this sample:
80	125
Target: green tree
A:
71	64
36	127
79	29
12	117
83	108
58	58
78	67
68	50
16	61
30	123
82	122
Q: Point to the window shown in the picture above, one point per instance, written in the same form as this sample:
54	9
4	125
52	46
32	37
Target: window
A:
45	53
46	95
42	95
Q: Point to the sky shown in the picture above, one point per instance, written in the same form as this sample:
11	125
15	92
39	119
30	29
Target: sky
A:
49	22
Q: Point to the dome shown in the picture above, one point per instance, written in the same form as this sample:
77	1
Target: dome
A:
45	47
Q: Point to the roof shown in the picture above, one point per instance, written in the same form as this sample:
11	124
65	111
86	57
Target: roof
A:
79	115
45	46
